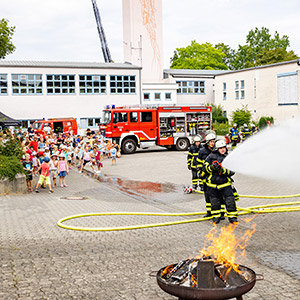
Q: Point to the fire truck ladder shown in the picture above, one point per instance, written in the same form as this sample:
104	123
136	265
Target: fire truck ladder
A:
104	45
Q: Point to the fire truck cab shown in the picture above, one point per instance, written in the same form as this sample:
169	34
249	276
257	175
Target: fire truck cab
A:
168	126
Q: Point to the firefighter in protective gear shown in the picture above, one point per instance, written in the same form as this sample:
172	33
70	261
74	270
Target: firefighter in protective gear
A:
246	132
203	153
191	161
219	184
234	136
254	129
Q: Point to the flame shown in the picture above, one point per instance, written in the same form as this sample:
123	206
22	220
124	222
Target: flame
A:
194	280
167	270
226	247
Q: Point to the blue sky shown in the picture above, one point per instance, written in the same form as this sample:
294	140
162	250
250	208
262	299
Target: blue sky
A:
65	30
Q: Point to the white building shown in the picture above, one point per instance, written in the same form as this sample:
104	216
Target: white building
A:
194	87
37	90
269	91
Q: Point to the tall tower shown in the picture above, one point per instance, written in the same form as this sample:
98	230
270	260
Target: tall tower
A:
142	37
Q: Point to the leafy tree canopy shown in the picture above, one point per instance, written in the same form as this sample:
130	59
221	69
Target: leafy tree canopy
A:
6	32
198	56
260	49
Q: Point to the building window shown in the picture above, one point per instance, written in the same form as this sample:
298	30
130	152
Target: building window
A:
224	86
225	114
27	84
122	84
92	84
237	86
224	96
146	96
191	87
157	96
242	84
60	84
146	116
242	94
89	122
3	84
237	95
287	88
168	96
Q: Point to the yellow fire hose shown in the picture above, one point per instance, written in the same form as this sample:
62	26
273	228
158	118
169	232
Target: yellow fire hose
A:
262	209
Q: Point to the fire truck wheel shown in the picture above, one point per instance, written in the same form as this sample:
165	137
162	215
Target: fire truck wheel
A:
129	146
182	144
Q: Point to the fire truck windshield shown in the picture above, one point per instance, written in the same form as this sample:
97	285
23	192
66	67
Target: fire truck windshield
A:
37	125
106	117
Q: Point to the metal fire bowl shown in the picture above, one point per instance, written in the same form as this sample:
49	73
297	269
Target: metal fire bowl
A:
206	294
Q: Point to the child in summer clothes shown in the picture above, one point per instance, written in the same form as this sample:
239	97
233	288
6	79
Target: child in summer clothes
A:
113	153
53	168
63	170
27	165
45	175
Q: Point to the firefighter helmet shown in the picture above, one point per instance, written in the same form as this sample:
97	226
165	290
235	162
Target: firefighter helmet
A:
210	137
234	125
197	138
245	125
220	144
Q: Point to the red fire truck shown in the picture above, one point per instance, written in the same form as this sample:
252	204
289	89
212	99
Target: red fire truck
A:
145	126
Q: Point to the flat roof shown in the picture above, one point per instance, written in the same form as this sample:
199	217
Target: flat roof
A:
66	64
193	72
261	67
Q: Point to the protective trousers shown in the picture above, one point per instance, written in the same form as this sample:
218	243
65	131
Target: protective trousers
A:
233	143
207	201
195	178
216	195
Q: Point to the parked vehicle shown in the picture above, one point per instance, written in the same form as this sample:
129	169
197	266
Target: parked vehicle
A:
145	126
57	125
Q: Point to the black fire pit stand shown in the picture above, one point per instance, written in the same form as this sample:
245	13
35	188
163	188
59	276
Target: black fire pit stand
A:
237	298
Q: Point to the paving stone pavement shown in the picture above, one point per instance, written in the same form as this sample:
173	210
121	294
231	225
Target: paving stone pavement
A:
40	260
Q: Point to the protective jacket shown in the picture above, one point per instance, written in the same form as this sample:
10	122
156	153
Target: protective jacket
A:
203	153
246	133
219	177
192	156
234	133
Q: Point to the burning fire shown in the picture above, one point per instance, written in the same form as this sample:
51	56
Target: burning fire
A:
226	247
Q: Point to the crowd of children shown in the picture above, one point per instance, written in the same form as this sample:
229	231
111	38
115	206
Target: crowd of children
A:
51	156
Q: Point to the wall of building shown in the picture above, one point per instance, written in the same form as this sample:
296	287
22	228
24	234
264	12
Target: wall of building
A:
45	105
142	37
260	91
191	98
159	94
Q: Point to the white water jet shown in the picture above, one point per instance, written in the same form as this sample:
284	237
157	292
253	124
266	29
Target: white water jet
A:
273	153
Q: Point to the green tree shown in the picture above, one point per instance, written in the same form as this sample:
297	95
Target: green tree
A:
241	116
198	56
261	49
6	32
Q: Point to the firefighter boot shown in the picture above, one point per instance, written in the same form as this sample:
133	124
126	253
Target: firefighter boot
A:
233	220
207	215
216	220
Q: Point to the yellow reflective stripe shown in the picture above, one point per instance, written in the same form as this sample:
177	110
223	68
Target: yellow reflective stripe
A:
223	185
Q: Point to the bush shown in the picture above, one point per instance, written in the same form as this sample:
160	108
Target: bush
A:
241	116
262	123
12	147
10	155
220	119
10	166
221	128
